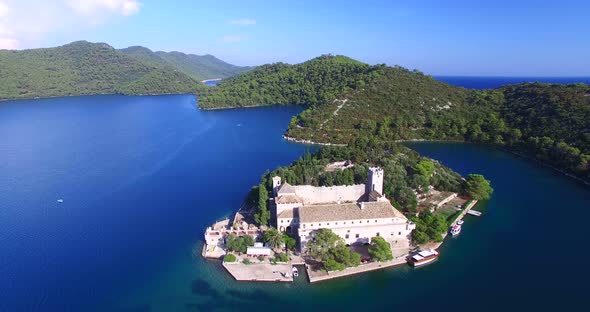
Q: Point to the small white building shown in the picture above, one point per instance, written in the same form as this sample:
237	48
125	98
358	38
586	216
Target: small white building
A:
258	250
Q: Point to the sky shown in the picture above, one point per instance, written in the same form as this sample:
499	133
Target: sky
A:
452	37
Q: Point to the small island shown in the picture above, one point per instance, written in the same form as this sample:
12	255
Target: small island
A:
334	217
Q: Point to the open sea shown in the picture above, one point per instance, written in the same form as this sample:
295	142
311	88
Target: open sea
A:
141	178
480	83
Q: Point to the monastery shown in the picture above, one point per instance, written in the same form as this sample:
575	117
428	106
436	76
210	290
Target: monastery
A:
354	212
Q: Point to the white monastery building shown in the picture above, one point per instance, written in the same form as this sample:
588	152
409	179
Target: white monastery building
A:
354	212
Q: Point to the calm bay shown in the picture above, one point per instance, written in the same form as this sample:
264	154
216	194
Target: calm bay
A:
141	177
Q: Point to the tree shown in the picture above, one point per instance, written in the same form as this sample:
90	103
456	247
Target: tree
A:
289	241
380	249
343	255
239	244
248	240
330	248
424	167
262	215
323	241
333	265
273	238
229	258
419	237
407	199
478	187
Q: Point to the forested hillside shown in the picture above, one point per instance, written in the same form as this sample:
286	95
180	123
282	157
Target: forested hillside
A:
196	66
81	68
348	100
311	83
202	67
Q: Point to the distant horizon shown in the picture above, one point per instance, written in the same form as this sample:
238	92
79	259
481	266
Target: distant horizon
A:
205	54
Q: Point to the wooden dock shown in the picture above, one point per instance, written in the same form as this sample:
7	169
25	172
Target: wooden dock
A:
474	213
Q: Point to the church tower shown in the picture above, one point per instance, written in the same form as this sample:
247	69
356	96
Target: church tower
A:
375	182
276	183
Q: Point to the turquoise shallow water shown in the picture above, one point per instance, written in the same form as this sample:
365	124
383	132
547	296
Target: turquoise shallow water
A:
142	176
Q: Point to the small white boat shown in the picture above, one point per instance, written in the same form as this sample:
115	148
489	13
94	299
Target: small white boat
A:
455	230
295	272
60	200
423	257
460	222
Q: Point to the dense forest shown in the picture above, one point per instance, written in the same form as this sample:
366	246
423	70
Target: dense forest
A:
83	68
314	82
547	122
198	67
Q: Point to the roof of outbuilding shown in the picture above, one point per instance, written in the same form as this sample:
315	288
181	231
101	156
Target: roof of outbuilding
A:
288	199
286	188
285	214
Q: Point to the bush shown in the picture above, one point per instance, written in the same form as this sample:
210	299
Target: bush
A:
282	257
229	258
260	258
380	249
246	261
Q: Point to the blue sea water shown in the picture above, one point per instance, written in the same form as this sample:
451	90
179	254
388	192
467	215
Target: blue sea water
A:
141	177
480	83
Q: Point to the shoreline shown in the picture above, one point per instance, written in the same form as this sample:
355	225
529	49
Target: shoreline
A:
213	79
92	94
301	141
314	277
229	107
516	153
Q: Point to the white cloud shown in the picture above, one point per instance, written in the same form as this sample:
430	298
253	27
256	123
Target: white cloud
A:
93	7
4	9
243	21
8	43
233	38
25	23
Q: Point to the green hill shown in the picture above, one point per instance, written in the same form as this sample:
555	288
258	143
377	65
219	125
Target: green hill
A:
202	67
311	83
83	68
195	66
348	100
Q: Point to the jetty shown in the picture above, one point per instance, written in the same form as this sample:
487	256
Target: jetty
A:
474	213
459	217
260	272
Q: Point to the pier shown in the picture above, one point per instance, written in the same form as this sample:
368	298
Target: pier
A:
474	213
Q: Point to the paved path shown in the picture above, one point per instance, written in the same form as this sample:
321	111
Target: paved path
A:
259	272
317	276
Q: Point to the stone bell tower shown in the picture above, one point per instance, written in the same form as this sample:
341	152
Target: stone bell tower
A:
375	182
276	183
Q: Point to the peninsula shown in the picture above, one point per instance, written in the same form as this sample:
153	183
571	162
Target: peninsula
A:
346	99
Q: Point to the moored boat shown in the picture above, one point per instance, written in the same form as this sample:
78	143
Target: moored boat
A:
455	229
295	272
423	257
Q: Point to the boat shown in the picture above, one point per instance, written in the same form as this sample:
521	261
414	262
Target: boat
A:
423	257
460	222
60	200
295	272
455	229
